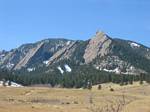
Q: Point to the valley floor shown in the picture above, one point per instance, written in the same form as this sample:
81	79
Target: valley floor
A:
131	98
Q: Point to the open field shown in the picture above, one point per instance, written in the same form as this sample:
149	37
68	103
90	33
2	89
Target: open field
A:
132	98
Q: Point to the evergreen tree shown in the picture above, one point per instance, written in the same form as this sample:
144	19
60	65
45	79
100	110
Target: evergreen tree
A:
99	87
9	83
141	78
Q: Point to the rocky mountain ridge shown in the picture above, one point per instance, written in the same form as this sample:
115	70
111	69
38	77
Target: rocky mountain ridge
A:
102	52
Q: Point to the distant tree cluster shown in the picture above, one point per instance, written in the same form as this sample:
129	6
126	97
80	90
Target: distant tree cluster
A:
81	77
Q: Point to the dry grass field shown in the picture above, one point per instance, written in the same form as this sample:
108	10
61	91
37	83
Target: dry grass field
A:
131	98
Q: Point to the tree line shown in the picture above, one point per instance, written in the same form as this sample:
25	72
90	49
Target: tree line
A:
81	77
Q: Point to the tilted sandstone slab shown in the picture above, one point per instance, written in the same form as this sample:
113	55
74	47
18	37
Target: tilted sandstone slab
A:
63	53
28	56
98	46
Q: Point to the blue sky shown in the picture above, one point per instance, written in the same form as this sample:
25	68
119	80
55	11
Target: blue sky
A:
25	21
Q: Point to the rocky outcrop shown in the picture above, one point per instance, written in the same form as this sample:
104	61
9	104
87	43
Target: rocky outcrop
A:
6	57
98	46
148	53
28	56
63	53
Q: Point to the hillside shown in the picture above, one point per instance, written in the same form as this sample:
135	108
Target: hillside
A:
75	62
101	51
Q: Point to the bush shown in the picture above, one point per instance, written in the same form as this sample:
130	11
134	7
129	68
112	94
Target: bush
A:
99	87
111	89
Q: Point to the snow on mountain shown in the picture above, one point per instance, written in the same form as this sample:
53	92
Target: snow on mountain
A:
2	55
46	62
116	70
68	42
30	69
60	69
10	65
68	69
134	45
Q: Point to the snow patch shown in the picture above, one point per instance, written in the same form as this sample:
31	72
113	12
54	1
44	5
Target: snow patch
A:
10	65
60	69
2	55
13	84
68	69
116	70
97	68
46	62
68	43
132	68
134	45
30	69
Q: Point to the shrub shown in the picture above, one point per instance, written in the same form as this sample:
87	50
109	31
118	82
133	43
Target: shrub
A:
99	87
111	89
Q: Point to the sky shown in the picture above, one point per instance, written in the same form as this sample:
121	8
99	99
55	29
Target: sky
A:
28	21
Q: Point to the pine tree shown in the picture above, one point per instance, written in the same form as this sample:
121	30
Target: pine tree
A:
89	85
141	78
9	83
99	87
4	82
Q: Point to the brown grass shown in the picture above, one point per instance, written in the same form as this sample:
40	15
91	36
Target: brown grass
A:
134	98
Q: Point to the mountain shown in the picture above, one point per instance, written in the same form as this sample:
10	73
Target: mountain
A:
101	52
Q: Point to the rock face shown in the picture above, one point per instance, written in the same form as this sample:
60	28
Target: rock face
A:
28	56
98	46
10	54
2	56
62	53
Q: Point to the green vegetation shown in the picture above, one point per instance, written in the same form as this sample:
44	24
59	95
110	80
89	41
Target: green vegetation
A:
81	76
134	56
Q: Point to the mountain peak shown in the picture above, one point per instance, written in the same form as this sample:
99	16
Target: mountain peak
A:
98	46
101	34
